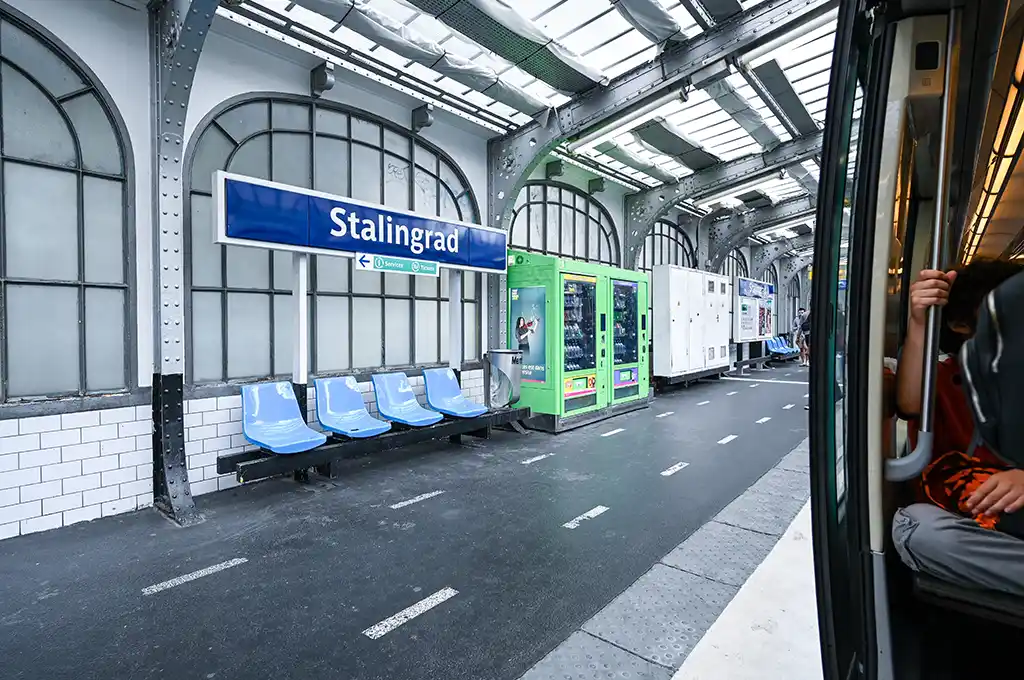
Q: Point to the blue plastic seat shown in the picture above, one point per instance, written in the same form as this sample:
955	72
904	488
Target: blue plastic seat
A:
271	419
340	409
397	403
445	395
774	347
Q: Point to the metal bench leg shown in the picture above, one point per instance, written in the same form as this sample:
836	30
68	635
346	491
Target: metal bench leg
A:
326	470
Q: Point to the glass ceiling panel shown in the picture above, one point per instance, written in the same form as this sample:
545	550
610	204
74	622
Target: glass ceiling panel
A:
606	42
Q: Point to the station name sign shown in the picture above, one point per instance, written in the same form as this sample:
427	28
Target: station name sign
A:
258	213
750	288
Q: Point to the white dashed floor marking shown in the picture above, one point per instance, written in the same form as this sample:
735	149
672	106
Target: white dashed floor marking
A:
417	499
726	440
674	469
409	613
762	421
615	431
589	514
529	461
167	585
666	414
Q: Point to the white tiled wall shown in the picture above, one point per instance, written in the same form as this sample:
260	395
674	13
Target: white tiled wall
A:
61	469
213	428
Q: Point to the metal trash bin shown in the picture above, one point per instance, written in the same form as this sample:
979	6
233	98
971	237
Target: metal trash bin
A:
504	375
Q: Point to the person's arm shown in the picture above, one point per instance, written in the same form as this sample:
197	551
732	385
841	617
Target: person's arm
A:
930	290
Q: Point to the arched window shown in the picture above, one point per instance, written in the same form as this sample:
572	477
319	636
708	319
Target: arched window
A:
735	264
558	219
65	230
240	298
667	244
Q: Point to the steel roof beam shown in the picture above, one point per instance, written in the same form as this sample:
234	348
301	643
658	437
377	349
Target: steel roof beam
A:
643	209
763	256
614	150
772	85
498	27
666	138
790	269
512	157
732	232
721	10
736	105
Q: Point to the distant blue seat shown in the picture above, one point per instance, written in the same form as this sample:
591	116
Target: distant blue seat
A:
445	395
397	403
780	347
340	409
271	419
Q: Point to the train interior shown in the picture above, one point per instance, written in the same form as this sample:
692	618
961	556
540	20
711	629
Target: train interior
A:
917	153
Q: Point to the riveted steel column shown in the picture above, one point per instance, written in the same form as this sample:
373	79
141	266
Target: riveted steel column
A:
725	235
762	256
645	208
178	30
792	267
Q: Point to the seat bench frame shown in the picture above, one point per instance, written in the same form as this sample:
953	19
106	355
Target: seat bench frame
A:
260	463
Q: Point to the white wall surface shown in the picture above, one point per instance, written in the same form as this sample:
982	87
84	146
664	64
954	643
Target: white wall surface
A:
112	40
57	470
229	67
62	469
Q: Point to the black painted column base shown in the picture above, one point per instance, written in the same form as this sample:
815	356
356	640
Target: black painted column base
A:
301	397
172	493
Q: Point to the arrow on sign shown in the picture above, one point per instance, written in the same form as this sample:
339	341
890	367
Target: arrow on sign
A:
364	261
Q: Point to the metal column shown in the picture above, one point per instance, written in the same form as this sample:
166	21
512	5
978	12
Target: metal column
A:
178	30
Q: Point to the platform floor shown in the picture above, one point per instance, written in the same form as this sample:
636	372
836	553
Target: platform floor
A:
439	563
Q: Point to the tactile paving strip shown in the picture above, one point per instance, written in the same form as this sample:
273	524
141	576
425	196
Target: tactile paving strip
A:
722	553
663	615
784	483
584	657
767	513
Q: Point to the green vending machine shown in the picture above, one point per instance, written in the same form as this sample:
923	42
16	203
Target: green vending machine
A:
583	332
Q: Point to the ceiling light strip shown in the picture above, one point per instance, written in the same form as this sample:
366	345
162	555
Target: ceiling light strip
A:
1006	150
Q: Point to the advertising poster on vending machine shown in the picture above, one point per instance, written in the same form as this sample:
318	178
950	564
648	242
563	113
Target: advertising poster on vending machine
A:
755	310
526	311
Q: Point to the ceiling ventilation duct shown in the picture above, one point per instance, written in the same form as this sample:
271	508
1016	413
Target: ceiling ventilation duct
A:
498	27
651	19
733	103
664	137
635	161
359	17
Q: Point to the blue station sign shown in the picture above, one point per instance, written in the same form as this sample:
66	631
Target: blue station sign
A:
750	288
255	212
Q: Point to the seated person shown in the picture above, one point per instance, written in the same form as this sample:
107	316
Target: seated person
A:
964	528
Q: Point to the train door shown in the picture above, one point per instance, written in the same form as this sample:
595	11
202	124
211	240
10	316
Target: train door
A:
844	590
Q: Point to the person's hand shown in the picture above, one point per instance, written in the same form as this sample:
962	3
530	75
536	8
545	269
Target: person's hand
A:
930	290
1002	492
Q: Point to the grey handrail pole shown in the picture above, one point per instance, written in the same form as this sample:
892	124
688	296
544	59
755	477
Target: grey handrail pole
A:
910	466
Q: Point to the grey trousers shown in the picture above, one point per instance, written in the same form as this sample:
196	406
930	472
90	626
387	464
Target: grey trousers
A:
955	549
